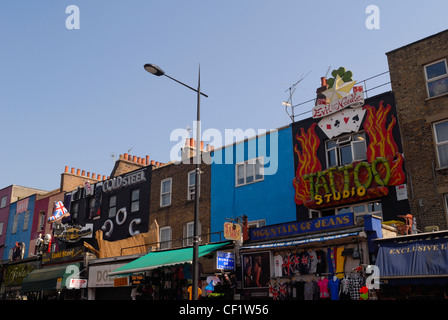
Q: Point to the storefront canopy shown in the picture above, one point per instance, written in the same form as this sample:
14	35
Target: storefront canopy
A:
420	258
165	258
47	278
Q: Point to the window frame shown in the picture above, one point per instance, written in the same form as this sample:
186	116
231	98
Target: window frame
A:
439	144
135	201
344	141
436	78
170	192
114	206
166	244
191	188
245	165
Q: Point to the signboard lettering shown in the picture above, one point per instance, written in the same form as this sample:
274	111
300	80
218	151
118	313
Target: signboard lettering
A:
302	227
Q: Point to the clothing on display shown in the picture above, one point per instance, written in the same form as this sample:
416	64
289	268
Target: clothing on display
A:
325	277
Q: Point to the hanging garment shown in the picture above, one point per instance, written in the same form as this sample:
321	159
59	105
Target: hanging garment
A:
333	285
278	265
313	261
321	262
308	290
356	281
340	259
344	293
304	262
323	288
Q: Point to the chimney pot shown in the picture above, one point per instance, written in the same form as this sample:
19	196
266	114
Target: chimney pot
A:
121	157
134	158
94	176
139	160
157	163
147	160
125	156
323	81
78	172
152	162
83	173
88	174
66	169
73	170
202	145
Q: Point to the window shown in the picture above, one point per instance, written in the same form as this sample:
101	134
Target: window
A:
26	220
436	78
363	209
191	185
135	200
249	171
1	229
189	233
15	222
346	149
112	206
441	138
74	208
165	238
165	192
3	201
41	220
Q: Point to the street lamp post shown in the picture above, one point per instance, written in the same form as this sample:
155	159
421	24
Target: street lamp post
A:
157	71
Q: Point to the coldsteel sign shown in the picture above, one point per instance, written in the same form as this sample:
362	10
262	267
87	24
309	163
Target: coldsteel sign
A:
121	182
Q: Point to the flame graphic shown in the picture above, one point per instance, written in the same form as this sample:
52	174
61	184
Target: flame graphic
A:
382	143
307	162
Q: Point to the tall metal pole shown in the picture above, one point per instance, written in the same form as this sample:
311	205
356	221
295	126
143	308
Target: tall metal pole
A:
196	194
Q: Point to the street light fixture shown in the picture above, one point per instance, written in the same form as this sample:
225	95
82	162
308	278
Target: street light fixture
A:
157	71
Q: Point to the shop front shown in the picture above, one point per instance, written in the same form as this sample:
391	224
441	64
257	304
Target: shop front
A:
321	259
103	287
413	267
61	276
167	274
14	274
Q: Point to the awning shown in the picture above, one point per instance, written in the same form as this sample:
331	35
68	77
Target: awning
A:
421	258
165	258
46	278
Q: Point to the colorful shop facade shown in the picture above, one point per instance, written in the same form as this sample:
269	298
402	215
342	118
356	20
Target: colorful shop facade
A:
349	183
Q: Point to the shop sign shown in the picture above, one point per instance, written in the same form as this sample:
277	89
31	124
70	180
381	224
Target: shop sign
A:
121	282
137	278
317	188
74	233
324	108
98	275
232	231
17	272
78	283
225	260
64	255
302	227
124	181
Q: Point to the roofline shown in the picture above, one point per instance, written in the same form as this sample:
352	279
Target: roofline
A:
417	41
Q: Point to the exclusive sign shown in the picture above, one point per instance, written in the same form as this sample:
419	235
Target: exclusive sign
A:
418	258
302	227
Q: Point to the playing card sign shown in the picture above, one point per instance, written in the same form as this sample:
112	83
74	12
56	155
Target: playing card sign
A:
346	120
338	100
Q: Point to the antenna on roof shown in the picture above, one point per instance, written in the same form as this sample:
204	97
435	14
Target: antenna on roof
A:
291	90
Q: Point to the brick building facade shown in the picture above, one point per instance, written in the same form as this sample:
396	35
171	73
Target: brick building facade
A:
172	202
419	79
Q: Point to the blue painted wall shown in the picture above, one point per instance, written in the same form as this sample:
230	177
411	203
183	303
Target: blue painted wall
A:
20	235
271	199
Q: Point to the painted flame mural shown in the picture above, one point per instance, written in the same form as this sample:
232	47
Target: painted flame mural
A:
360	180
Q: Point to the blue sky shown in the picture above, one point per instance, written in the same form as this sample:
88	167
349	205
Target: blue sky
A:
75	97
